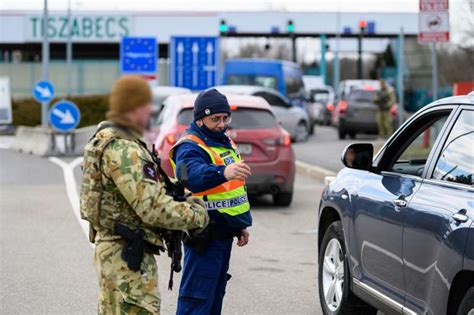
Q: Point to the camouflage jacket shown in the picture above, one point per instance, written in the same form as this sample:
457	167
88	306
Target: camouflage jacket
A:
134	194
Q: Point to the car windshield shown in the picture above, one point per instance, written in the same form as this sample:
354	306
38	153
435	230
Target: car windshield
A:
361	96
258	80
242	118
320	96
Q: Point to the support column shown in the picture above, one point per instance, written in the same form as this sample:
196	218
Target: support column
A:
400	83
322	63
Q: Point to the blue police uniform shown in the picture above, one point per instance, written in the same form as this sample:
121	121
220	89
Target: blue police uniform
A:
205	274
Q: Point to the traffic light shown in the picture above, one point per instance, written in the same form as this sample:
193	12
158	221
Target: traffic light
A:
362	25
223	27
290	27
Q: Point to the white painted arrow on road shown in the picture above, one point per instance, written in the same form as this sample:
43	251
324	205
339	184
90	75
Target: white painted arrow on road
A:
195	50
66	117
44	91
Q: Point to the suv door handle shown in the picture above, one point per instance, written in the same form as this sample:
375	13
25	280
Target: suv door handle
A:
400	202
461	216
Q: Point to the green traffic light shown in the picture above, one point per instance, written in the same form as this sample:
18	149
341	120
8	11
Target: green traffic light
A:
290	27
223	28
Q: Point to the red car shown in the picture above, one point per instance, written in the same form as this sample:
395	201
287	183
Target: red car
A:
264	145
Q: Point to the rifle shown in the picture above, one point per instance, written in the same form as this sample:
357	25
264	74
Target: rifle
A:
173	239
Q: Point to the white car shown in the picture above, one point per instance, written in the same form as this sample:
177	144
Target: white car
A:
293	119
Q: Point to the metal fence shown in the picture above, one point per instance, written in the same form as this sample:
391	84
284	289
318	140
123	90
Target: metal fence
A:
89	77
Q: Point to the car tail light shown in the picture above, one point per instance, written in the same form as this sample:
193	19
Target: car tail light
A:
342	106
393	110
233	107
284	140
171	138
330	107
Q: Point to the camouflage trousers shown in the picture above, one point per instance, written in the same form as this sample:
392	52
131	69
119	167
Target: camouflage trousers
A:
124	291
384	123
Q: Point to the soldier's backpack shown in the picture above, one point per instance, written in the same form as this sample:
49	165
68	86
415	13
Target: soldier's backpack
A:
91	187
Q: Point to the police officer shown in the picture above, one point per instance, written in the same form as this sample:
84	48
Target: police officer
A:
122	189
384	98
216	173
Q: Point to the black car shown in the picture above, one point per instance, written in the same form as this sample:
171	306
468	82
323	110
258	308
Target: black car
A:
396	232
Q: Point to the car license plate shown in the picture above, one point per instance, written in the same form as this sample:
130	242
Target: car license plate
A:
245	148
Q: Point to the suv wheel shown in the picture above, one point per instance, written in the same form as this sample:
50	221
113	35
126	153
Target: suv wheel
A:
467	303
283	199
341	133
301	132
334	290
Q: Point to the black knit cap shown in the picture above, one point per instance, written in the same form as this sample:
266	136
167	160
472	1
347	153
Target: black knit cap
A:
209	102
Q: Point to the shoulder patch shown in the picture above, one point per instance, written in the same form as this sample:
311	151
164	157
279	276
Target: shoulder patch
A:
149	171
226	153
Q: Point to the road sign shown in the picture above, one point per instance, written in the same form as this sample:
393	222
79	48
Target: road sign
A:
43	91
64	116
5	101
433	21
194	62
138	55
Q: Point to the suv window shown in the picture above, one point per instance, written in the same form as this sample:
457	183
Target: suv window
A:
456	161
258	80
272	99
361	96
411	159
242	118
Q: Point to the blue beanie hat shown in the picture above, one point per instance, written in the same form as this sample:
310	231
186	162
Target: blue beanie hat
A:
209	102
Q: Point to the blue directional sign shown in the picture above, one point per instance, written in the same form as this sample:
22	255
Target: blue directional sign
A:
194	62
43	91
138	55
64	116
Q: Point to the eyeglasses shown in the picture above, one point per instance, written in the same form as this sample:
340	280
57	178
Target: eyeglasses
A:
225	119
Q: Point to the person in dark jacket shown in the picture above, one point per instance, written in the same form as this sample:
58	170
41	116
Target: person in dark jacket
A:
216	174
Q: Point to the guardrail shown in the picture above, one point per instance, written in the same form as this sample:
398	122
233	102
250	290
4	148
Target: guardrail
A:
47	142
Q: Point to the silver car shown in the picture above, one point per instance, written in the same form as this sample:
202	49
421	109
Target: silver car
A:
293	118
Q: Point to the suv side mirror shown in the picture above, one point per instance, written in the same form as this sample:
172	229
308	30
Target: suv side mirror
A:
358	156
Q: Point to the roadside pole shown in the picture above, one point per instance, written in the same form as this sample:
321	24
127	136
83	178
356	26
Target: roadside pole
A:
69	51
335	75
322	63
45	61
435	71
400	83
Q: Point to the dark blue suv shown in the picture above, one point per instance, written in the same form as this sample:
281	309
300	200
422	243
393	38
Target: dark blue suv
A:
396	232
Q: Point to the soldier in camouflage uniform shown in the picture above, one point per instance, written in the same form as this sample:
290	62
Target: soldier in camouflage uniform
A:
121	184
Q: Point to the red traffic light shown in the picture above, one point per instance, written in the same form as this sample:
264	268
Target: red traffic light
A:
362	24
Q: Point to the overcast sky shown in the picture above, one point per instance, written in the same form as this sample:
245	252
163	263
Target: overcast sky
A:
219	5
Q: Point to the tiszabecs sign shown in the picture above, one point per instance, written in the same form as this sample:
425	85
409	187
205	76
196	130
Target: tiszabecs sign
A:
94	28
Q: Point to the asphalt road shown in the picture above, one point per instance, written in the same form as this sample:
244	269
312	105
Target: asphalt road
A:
46	259
324	148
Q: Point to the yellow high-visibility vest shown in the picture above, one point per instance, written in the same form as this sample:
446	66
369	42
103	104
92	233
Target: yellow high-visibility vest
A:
230	197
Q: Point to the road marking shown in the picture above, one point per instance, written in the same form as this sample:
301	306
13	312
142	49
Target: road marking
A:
71	189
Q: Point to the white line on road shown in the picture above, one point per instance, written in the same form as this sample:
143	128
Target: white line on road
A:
71	189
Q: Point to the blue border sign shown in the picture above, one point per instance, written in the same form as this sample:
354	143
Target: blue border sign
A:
194	62
43	91
139	55
64	116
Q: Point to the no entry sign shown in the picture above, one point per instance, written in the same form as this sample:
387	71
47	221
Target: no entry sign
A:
433	21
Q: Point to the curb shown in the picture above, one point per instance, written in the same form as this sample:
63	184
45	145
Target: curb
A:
313	171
